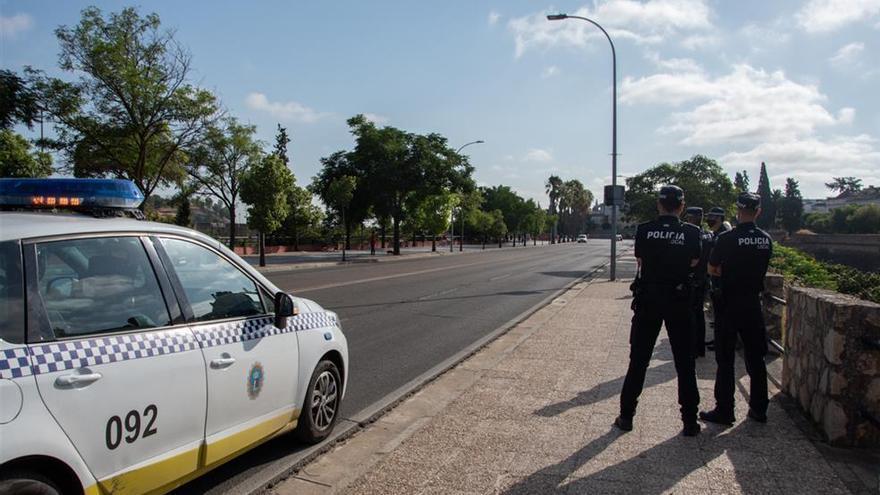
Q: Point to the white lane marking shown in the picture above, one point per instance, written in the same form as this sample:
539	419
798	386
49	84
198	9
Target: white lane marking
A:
499	277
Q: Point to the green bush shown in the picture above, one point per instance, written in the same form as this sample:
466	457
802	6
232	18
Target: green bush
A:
802	269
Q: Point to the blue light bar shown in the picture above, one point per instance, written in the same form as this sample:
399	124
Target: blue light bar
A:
81	194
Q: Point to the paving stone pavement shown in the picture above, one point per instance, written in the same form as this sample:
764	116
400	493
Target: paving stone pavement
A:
539	420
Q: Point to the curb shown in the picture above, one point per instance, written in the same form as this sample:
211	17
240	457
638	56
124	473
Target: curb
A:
373	412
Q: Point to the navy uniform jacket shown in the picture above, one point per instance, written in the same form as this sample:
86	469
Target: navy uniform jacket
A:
743	255
666	247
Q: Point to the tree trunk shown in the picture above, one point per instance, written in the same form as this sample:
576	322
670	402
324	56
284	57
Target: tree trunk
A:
484	241
232	227
295	232
347	235
382	234
345	239
262	249
396	234
500	240
433	243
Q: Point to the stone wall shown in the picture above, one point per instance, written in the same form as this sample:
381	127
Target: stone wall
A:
828	368
774	309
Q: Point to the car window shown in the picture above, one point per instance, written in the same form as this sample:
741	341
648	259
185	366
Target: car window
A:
214	287
11	306
99	285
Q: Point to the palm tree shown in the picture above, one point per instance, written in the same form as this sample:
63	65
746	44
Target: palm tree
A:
553	186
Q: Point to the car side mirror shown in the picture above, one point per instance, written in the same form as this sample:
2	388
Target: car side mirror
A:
284	308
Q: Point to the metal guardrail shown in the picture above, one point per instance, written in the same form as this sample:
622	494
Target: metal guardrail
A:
776	345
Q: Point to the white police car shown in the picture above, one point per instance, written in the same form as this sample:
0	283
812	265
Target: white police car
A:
135	356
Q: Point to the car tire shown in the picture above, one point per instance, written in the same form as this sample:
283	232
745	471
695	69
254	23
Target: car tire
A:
27	483
321	405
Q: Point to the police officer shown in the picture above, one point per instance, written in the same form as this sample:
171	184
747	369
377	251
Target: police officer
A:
694	216
667	249
717	226
740	259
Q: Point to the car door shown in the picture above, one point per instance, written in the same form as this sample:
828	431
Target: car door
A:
252	365
114	361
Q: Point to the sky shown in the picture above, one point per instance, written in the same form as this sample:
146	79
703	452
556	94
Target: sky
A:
790	83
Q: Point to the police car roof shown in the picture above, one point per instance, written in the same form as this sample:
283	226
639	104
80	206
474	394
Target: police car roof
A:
27	225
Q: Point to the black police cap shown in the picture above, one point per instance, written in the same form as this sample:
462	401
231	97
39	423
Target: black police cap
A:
716	211
674	193
694	211
748	201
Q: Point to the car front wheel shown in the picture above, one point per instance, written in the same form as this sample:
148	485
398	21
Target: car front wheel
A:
321	406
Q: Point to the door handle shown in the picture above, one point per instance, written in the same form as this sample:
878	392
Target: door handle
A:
69	380
220	363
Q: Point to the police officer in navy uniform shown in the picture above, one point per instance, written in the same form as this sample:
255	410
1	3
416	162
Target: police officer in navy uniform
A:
694	216
740	258
667	250
717	226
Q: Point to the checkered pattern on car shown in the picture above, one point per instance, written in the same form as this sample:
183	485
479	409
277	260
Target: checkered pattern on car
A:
73	354
14	363
65	355
257	328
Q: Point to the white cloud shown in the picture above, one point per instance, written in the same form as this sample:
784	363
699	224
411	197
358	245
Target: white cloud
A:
701	41
674	64
819	16
11	26
283	110
642	22
376	118
763	38
813	161
848	55
746	105
846	115
494	17
538	155
549	72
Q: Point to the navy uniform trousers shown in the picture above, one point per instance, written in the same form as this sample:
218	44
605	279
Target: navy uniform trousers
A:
741	316
651	311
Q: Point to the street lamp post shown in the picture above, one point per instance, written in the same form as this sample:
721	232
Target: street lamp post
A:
560	17
460	210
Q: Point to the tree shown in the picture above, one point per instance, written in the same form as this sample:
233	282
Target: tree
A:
768	204
281	141
741	182
18	102
865	220
574	208
133	113
339	197
536	222
337	166
304	218
17	159
553	187
845	184
496	226
704	182
433	213
219	162
397	166
265	186
791	210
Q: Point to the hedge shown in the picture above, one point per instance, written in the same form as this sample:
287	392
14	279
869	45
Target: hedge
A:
802	269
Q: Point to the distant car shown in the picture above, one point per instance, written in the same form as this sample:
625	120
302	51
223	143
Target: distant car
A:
136	355
619	237
582	238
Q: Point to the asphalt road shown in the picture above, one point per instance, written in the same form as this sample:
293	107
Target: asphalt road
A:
402	318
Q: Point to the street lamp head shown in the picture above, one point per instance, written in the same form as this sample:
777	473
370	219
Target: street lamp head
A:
479	141
557	17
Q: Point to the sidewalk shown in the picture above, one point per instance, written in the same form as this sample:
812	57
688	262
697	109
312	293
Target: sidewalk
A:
533	411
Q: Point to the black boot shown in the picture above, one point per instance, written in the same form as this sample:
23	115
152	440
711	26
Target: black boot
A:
624	423
691	429
757	416
718	417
